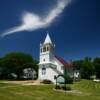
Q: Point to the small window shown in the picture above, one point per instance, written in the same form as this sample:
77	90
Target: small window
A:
47	48
43	59
43	71
55	77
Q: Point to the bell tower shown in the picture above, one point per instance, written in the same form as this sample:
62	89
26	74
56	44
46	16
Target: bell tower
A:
47	60
46	50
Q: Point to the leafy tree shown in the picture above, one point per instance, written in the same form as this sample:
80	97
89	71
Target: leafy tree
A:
3	70
16	62
87	68
77	64
97	67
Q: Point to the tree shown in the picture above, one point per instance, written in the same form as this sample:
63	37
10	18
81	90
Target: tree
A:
97	67
3	70
85	66
77	64
16	62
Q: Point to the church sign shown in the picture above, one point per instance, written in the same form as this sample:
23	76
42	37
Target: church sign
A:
60	79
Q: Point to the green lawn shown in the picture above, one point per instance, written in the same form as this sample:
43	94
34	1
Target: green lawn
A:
88	89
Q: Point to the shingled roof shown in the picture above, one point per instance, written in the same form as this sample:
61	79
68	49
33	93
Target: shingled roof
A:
61	60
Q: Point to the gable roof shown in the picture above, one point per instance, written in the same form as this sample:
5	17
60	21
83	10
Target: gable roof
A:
62	61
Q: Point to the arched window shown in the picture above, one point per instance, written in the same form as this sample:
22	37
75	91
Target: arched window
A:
44	49
47	48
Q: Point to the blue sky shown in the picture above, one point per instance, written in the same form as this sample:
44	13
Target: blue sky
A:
75	31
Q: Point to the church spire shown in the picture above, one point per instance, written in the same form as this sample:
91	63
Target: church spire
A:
47	39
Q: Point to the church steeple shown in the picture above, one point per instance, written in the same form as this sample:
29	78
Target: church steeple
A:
48	39
46	50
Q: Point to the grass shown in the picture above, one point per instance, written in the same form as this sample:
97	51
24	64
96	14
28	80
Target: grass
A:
88	89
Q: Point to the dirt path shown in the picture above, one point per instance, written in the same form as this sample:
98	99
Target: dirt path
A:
28	82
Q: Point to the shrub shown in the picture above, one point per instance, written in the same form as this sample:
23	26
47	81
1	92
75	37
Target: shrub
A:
68	88
47	82
58	87
65	88
69	80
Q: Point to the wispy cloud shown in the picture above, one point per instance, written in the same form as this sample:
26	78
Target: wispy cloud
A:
31	21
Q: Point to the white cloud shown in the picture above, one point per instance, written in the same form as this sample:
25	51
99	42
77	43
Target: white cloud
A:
31	21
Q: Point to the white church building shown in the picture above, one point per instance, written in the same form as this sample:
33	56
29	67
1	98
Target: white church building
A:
50	65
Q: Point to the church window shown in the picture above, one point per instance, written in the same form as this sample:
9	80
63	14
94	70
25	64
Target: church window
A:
43	71
55	77
44	49
47	48
43	59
